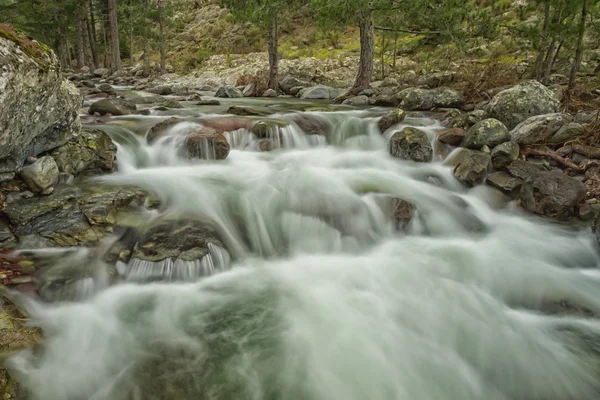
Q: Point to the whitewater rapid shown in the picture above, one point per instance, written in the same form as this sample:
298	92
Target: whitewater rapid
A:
325	299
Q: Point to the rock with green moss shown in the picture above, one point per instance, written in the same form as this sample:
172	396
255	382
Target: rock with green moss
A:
539	129
92	152
113	107
518	103
39	106
416	99
390	119
444	97
489	132
411	144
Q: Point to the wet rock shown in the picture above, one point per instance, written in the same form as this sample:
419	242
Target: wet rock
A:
504	181
402	213
267	128
101	206
539	129
269	93
159	129
596	227
112	106
228	92
552	194
92	152
452	136
411	144
586	212
311	124
250	111
268	145
161	90
321	92
172	103
489	132
206	144
40	175
524	169
390	119
567	132
222	125
357	101
106	88
208	103
39	108
289	83
504	154
470	166
518	103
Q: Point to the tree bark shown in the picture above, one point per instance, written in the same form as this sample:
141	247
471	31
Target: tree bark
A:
161	37
395	50
91	30
115	47
273	39
80	38
367	51
382	57
130	32
579	51
105	29
539	63
549	61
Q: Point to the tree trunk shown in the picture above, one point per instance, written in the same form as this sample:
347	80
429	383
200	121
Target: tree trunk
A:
161	37
382	57
115	47
80	38
146	44
560	46
93	44
367	51
105	29
273	56
579	51
395	50
539	63
130	32
549	61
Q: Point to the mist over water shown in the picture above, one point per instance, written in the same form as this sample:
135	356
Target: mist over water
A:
319	297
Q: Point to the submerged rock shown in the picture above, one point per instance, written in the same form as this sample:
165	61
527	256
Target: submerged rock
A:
41	175
390	119
411	144
518	103
552	194
489	132
113	107
470	167
92	152
39	107
206	144
402	213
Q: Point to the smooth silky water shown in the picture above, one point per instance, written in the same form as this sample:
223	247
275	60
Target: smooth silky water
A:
323	298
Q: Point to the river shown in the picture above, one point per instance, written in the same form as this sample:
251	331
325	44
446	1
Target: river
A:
315	294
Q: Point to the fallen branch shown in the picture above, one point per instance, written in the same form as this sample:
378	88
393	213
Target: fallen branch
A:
565	162
589	152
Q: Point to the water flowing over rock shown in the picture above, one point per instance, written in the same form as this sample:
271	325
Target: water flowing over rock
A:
489	132
92	152
311	124
206	144
113	107
41	175
42	105
390	119
159	129
411	144
528	99
552	194
470	166
228	92
539	129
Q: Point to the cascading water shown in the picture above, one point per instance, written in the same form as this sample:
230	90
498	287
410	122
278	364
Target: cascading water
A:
325	299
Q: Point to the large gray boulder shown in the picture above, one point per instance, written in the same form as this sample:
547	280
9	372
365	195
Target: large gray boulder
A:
489	132
518	103
229	92
419	99
39	107
552	194
539	129
321	92
411	144
112	106
289	82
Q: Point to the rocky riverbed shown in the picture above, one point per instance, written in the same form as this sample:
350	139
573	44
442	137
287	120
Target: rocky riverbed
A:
111	179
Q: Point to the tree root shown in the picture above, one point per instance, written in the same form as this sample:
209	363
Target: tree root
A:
565	162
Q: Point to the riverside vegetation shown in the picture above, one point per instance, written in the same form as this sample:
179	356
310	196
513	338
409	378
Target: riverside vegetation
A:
403	203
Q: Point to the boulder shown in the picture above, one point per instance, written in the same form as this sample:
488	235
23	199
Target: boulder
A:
402	213
518	103
159	129
416	99
504	154
161	90
289	83
106	88
267	128
311	124
357	100
172	103
249	90
101	72
92	152
504	181
596	227
444	97
228	92
41	175
321	92
206	144
567	132
539	129
552	194
385	100
296	89
524	169
470	166
390	119
489	132
39	108
269	93
208	103
250	111
452	136
411	144
113	107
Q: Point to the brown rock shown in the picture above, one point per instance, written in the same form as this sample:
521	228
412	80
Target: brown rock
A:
206	144
452	136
